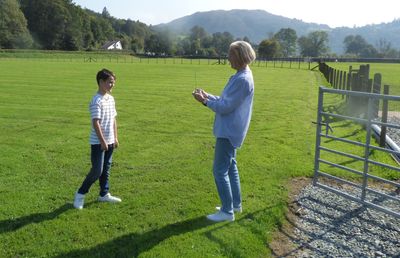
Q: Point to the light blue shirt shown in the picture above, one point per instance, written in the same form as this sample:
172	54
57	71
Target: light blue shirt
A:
234	107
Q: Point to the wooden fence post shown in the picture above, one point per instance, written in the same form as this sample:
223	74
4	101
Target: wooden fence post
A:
382	141
348	85
376	88
331	75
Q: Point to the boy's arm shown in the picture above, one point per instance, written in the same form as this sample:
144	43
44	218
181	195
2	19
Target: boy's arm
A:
116	143
99	133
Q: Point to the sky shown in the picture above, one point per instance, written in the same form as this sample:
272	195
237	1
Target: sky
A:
336	13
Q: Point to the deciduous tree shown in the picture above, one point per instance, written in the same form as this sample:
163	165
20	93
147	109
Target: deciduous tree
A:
315	44
269	48
287	40
13	26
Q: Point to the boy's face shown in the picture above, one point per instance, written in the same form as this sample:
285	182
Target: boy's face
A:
107	85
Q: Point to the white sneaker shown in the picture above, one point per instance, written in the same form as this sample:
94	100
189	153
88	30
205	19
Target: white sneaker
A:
79	200
237	210
108	198
221	216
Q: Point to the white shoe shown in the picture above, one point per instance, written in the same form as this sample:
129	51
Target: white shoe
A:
108	198
221	216
79	200
237	210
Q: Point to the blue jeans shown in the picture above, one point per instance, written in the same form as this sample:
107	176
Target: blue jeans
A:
101	164
226	175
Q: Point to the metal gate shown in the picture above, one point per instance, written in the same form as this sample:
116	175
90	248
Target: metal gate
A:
362	182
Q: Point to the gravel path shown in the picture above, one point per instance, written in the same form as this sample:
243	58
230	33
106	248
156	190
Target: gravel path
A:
394	133
324	224
328	225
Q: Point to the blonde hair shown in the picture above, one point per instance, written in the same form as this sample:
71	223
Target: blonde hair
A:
244	54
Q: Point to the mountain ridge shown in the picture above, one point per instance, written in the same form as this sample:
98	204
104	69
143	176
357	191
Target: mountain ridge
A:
260	24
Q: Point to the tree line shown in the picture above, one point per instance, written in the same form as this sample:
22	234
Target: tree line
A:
285	43
62	25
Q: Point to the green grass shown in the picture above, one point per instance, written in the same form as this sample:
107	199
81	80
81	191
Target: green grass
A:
162	170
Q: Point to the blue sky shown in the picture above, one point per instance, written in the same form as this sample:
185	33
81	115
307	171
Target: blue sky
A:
340	12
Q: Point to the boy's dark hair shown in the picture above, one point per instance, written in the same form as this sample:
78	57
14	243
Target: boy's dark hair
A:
104	74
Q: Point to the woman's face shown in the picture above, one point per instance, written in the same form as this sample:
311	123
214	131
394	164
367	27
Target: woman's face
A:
233	59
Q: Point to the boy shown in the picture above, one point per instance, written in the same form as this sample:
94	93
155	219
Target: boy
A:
103	139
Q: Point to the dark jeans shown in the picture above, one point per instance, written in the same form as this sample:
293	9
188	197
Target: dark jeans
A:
101	164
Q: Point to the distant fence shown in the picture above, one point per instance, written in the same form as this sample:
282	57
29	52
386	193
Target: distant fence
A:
291	63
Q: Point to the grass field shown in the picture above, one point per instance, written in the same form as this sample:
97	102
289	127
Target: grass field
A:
162	170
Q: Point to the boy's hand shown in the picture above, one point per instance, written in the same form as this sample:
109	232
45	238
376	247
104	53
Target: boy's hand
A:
104	146
116	143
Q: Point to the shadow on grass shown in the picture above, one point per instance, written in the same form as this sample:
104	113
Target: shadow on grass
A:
17	223
132	245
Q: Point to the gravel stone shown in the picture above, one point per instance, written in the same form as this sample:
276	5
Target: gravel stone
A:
332	226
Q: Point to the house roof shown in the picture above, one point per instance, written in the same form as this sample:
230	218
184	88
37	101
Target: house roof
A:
110	43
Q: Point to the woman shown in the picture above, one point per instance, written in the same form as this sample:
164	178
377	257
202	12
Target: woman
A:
232	118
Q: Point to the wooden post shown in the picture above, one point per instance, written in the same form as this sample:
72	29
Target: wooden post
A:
348	85
337	82
333	78
376	88
382	141
369	85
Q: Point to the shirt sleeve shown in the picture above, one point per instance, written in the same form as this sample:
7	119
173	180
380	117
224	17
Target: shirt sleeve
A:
114	108
95	110
212	97
232	98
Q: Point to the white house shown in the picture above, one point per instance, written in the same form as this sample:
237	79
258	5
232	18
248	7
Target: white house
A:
111	45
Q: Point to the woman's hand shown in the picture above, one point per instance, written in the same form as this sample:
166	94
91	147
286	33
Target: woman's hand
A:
200	95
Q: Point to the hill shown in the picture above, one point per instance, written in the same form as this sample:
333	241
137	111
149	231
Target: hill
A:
258	25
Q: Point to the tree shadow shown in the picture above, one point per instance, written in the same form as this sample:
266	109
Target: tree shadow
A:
17	223
133	244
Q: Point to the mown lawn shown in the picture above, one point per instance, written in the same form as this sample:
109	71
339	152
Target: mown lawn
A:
162	170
